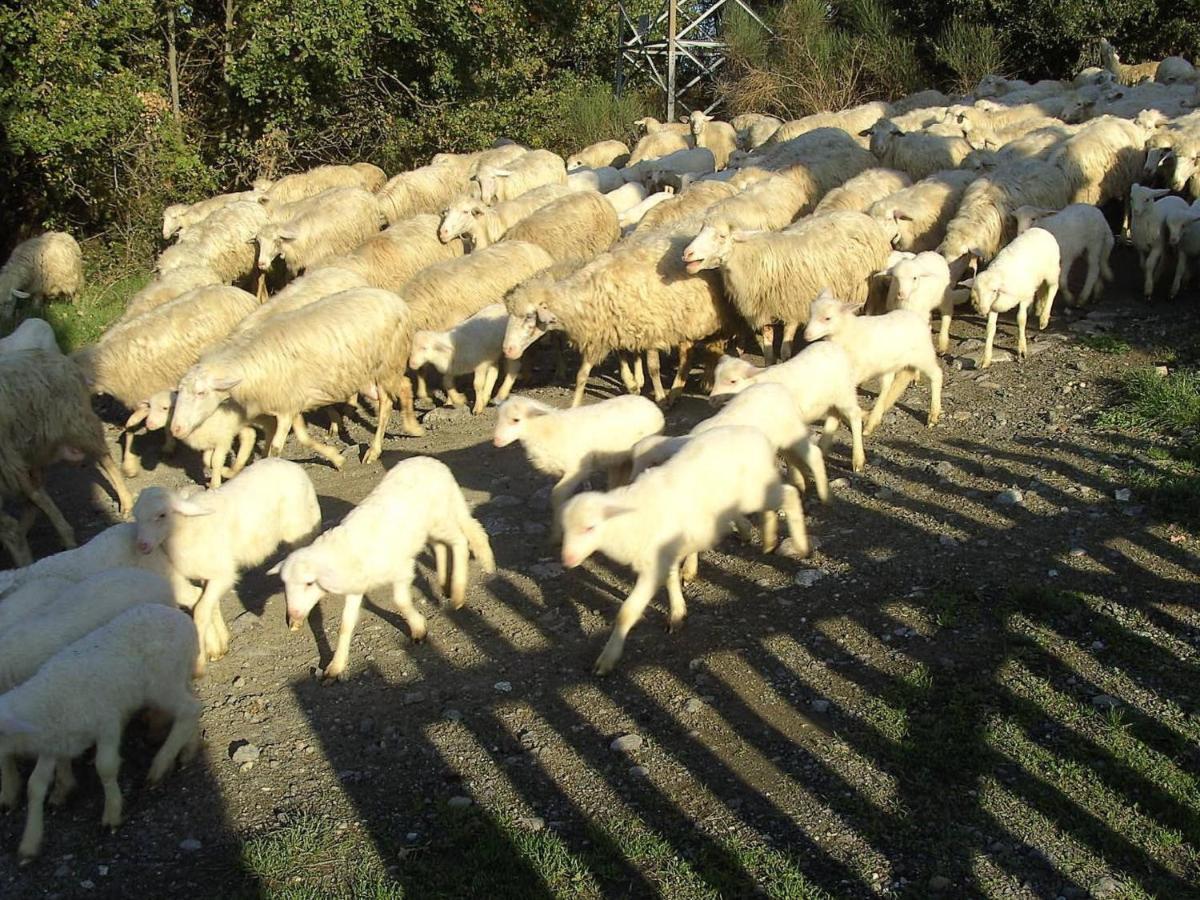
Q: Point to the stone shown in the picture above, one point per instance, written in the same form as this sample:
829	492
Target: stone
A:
1011	497
838	483
819	706
504	687
191	845
693	706
532	823
245	753
1122	495
1105	701
939	883
1162	371
1107	887
948	542
1097	645
500	501
787	547
444	415
626	743
1077	551
808	577
639	772
239	681
459	802
884	493
412	697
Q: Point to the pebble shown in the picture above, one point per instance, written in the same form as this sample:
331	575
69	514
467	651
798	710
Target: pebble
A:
452	715
1011	497
411	697
500	501
411	836
1097	645
239	681
808	577
366	725
459	802
87	884
939	883
946	541
1078	551
245	754
884	493
504	687
442	415
1107	887
190	844
787	547
693	706
838	483
1122	495
626	743
1161	371
820	706
1105	701
639	772
532	823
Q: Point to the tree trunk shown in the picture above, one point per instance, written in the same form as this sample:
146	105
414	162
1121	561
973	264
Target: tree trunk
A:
173	62
230	12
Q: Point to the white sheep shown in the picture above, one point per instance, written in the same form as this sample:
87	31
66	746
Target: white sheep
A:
719	137
1176	70
302	185
602	153
657	144
667	218
820	379
1103	160
390	259
921	282
178	217
574	443
919	153
76	610
46	267
470	348
754	129
603	179
424	190
577	227
652	172
84	695
1023	274
481	225
864	189
683	507
1126	73
1084	236
417	503
345	218
461	166
528	171
630	217
915	218
1187	253
626	197
853	121
214	437
222	243
31	334
213	536
168	286
892	347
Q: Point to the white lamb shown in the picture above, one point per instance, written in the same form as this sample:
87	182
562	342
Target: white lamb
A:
214	437
84	695
573	443
921	282
214	535
884	347
470	348
1157	219
31	334
1083	235
603	179
417	502
683	507
1023	274
626	197
76	610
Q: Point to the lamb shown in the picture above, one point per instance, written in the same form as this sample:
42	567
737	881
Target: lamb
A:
634	298
773	277
892	347
630	218
178	217
388	260
1023	274
576	227
424	190
665	217
1157	229
1103	160
46	267
78	609
345	219
754	129
417	502
528	171
719	137
29	596
471	347
853	121
651	125
715	477
213	536
626	197
767	205
168	286
1176	70
480	225
916	217
651	172
1186	246
985	222
462	166
31	334
921	282
84	695
213	437
863	190
598	155
302	185
657	144
919	153
603	179
821	381
45	415
223	243
574	443
1083	236
1126	74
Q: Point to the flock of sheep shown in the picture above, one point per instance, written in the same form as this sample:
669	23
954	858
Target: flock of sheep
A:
704	237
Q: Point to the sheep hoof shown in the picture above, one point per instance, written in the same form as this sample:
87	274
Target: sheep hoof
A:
675	624
413	430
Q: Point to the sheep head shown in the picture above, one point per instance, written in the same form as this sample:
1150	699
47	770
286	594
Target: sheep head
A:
512	416
828	315
272	243
171	219
201	391
431	348
460	218
584	519
303	585
731	376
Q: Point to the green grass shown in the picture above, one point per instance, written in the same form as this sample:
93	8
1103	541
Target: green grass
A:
102	300
1105	343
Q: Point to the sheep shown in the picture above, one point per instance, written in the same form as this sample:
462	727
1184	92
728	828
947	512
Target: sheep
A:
651	172
921	282
919	153
984	221
214	437
84	695
1186	246
345	219
602	180
1023	274
319	354
634	298
754	129
719	137
773	277
1176	70
626	197
665	217
853	121
576	227
916	217
214	535
424	190
77	609
178	217
1125	73
658	144
1103	160
45	415
681	508
480	225
31	334
651	125
1158	221
574	443
892	347
530	170
821	381
30	595
630	218
388	260
46	267
224	243
471	347
302	185
767	205
168	286
1083	235
864	189
600	154
462	166
417	502
325	280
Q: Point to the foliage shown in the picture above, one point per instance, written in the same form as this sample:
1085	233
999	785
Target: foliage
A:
970	51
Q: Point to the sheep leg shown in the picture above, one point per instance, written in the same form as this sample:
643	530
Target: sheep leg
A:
1047	305
943	339
581	380
402	597
1022	315
39	783
484	381
422	386
639	374
116	482
793	509
788	340
10	782
770	530
989	339
43	502
654	364
131	463
306	440
108	764
454	396
690	566
512	368
337	425
853	417
626	369
246	439
886	381
183	730
559	495
678	607
217	631
12	537
210	599
681	373
1150	268
1180	274
560	357
408	410
217	457
768	345
64	781
439	559
1090	282
385	413
629	615
458	572
341	655
168	446
279	438
807	452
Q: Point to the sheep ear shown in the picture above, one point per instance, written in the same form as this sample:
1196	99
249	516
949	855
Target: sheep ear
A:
226	382
967	282
20	295
744	234
500	173
329	581
277	568
13	725
534	412
825	294
139	415
612	510
866	132
185	506
287	235
901	216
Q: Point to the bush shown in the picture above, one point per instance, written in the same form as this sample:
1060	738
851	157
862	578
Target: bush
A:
970	51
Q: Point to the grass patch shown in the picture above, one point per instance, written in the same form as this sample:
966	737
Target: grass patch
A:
1105	343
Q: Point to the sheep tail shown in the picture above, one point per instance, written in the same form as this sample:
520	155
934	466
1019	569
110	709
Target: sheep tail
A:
262	287
477	540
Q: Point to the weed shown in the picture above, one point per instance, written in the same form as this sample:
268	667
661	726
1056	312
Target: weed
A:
1105	343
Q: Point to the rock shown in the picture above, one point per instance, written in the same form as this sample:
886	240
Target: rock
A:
838	483
413	697
444	415
459	802
820	706
244	753
939	883
969	362
1105	701
366	725
945	468
626	743
948	542
639	772
1107	887
504	687
693	706
1122	495
411	836
1011	497
808	577
787	547
884	493
190	845
1162	371
87	884
239	681
1077	551
500	501
1097	645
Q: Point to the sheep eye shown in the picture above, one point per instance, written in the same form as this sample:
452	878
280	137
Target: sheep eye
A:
162	515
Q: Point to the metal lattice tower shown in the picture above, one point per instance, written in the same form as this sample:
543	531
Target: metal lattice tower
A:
684	37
